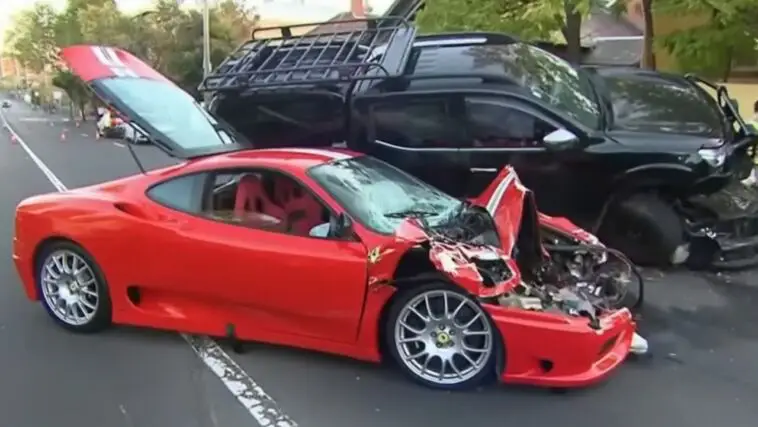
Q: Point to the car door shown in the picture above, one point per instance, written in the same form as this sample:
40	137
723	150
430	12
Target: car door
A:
264	280
504	131
419	133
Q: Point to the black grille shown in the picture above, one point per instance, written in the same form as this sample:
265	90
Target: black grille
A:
738	228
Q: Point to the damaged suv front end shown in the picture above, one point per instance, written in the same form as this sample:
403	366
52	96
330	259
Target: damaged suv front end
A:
698	151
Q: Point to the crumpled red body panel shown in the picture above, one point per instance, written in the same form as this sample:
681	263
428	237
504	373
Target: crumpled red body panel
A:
504	200
453	259
567	227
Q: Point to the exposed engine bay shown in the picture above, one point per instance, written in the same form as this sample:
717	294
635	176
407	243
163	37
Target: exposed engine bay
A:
559	272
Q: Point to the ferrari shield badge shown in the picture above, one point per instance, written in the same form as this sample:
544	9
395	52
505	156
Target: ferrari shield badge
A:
374	255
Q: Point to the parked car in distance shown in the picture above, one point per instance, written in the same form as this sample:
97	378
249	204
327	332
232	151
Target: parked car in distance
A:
636	156
109	125
134	136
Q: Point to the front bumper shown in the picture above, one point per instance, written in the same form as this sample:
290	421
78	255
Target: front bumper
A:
553	350
726	237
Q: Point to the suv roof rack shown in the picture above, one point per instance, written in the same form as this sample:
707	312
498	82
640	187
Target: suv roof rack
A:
316	58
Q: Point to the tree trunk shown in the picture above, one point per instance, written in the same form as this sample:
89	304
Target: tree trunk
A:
727	72
82	111
648	50
572	32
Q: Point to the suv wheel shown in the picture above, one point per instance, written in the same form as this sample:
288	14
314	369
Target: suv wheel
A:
647	229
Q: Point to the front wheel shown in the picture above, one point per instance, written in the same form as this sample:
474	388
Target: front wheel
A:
72	288
647	229
441	337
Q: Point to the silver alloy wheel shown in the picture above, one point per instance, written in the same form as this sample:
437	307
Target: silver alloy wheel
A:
69	287
443	337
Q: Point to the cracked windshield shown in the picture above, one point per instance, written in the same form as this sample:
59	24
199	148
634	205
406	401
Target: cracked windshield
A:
371	213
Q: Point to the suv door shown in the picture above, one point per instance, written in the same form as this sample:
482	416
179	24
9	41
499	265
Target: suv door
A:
421	134
504	131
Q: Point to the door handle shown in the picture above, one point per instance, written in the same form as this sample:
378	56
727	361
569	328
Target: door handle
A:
483	170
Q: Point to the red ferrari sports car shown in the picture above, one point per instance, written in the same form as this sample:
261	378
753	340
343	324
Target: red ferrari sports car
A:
321	249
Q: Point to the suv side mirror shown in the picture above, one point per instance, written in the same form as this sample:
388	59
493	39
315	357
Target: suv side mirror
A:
340	226
560	140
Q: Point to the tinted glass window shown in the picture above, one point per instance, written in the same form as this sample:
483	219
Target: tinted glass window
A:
422	124
381	196
182	193
171	111
496	125
654	104
546	76
268	201
286	120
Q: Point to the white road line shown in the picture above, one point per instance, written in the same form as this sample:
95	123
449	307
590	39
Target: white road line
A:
118	144
243	387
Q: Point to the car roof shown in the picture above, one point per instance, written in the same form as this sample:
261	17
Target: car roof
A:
466	55
293	160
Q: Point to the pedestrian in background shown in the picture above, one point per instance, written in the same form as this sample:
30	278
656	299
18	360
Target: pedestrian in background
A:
753	121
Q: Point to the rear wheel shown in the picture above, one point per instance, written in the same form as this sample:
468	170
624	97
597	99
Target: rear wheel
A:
441	337
72	288
647	229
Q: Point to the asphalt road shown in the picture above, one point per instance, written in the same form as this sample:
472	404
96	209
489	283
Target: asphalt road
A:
701	328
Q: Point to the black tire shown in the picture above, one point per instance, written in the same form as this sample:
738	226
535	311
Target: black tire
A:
644	227
474	375
96	295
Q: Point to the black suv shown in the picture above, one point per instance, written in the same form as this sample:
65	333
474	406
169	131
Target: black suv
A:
638	157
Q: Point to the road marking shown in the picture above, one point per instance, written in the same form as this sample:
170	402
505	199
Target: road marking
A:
243	387
118	144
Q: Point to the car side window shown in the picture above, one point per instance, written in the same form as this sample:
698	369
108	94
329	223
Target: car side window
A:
183	193
265	200
415	123
494	124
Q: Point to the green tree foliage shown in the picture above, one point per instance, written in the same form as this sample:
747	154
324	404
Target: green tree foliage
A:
31	37
166	36
726	34
528	19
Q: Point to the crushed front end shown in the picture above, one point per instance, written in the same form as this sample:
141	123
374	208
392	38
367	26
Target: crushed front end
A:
553	334
721	218
723	228
559	327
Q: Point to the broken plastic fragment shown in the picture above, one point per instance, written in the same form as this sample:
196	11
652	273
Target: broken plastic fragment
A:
639	344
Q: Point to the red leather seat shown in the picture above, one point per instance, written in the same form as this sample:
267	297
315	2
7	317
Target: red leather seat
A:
251	197
301	208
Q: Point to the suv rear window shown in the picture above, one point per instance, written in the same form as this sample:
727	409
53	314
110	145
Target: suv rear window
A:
287	119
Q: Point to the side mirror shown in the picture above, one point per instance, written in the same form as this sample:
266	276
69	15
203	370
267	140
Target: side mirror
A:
340	226
561	140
